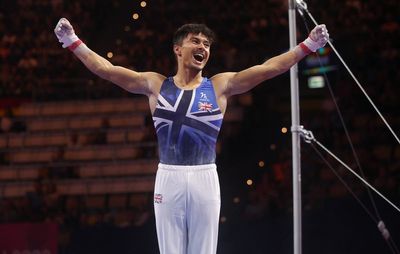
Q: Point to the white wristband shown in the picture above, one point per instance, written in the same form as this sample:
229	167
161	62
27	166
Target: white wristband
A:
68	40
311	44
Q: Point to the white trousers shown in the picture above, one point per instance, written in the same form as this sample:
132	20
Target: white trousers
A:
187	203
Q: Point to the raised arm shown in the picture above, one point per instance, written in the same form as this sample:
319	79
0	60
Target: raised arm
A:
132	81
239	82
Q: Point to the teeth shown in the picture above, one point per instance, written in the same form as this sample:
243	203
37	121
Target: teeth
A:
199	57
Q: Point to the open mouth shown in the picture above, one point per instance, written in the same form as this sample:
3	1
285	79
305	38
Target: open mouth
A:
199	57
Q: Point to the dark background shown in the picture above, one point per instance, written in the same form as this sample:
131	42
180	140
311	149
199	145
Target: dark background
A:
35	69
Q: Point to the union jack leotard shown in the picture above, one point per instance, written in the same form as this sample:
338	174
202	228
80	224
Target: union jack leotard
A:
187	124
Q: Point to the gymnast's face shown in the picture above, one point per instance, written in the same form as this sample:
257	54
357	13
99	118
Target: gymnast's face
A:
194	51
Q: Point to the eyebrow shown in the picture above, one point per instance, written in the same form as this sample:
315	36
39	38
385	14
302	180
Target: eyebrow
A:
198	37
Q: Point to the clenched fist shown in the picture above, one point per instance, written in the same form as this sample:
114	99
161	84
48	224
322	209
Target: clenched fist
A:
65	33
317	38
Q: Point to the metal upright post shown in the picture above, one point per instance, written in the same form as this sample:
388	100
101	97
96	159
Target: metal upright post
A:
294	88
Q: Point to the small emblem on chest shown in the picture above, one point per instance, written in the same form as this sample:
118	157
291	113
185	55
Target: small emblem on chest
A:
204	106
204	103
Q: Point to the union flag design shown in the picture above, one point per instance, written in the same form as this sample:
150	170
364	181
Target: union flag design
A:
158	198
204	106
187	127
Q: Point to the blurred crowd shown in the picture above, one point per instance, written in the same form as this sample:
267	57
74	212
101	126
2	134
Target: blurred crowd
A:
35	67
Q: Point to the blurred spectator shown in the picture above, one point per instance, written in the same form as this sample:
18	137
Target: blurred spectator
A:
8	123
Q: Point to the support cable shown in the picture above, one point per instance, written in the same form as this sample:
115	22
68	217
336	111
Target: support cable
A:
356	158
309	138
302	7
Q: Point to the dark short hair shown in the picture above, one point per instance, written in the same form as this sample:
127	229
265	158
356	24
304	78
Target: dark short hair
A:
186	29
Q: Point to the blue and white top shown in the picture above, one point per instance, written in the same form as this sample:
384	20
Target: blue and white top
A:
187	124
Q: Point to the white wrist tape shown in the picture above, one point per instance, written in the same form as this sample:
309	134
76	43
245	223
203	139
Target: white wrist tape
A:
68	40
311	44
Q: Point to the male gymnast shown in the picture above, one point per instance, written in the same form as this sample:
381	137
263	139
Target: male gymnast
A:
187	111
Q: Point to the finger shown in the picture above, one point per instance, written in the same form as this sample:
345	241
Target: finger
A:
64	20
320	28
58	28
66	25
58	24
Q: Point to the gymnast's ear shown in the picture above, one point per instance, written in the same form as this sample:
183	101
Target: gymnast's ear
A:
177	50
